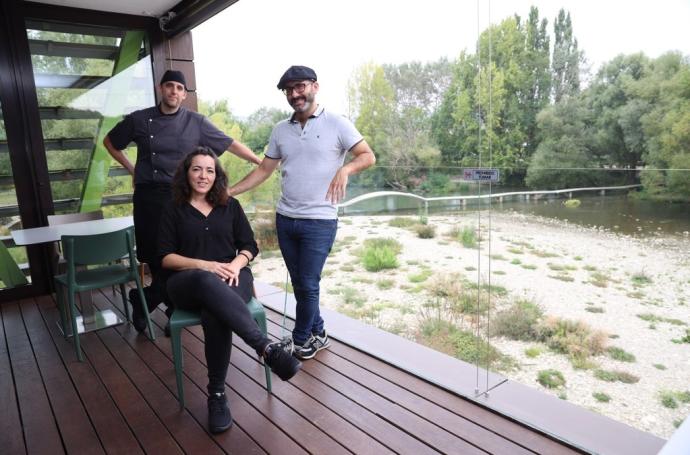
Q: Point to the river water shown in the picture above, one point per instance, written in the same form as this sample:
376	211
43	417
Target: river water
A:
615	212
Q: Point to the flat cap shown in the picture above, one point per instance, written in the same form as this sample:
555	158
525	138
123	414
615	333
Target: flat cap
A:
296	73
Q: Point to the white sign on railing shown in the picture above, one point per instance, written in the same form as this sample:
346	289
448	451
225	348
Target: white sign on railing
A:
480	175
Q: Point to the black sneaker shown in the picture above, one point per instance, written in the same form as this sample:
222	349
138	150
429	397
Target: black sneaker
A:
138	316
281	361
313	345
219	417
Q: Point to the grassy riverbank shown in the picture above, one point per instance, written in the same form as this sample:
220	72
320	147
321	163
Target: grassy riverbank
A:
595	317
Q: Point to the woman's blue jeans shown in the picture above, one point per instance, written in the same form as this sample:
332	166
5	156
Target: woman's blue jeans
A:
305	244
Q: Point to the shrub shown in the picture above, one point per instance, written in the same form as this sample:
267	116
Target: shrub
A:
380	254
265	233
594	309
668	400
641	279
401	222
599	279
379	242
468	237
420	277
574	338
572	203
518	322
447	285
353	297
616	375
426	231
685	339
444	336
533	352
458	296
385	284
551	379
563	277
601	397
617	353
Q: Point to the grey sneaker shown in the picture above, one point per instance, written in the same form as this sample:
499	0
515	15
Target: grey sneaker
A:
313	345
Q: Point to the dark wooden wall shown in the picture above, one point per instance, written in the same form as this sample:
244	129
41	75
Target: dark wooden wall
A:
178	54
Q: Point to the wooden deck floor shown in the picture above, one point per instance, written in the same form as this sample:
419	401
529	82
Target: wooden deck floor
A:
122	399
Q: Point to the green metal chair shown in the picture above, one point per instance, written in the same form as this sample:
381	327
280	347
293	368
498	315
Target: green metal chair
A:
183	318
90	250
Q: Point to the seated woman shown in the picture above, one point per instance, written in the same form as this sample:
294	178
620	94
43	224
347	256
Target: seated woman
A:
205	243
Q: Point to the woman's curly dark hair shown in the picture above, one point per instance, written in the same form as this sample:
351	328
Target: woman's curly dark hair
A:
217	195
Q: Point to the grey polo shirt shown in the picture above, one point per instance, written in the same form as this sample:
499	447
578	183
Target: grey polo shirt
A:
164	140
310	157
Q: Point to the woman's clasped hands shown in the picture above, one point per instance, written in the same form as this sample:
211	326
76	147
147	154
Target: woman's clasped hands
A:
226	271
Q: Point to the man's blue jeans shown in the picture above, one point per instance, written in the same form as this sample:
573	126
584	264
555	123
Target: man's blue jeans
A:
305	244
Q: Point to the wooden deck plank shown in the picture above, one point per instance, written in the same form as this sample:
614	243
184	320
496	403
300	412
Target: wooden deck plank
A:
508	429
364	418
78	434
41	433
11	436
110	425
326	419
342	402
148	429
187	432
527	438
421	429
233	440
313	439
457	425
262	430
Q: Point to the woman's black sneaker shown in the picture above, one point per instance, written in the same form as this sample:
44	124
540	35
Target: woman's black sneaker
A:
138	316
281	361
219	417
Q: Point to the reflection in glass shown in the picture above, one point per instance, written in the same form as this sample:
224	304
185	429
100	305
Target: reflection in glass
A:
86	81
14	270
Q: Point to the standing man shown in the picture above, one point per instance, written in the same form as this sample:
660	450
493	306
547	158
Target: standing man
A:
164	134
311	147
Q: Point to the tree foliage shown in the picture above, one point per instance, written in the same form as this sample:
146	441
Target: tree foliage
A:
488	114
566	59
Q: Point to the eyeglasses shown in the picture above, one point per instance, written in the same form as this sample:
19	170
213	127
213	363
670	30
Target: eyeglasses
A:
297	88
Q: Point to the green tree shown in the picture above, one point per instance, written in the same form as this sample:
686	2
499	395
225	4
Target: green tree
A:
666	127
258	127
564	156
489	111
620	142
419	85
566	58
374	107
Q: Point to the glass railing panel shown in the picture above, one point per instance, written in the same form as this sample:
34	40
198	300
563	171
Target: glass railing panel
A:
86	81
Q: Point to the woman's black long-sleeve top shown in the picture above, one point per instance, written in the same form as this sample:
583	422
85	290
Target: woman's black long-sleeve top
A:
216	237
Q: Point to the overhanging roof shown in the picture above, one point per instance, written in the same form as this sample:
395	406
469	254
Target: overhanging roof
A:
178	16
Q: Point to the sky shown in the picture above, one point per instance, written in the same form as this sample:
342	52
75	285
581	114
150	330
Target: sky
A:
241	53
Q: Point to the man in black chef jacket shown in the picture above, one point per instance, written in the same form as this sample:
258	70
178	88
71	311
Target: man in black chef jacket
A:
164	134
